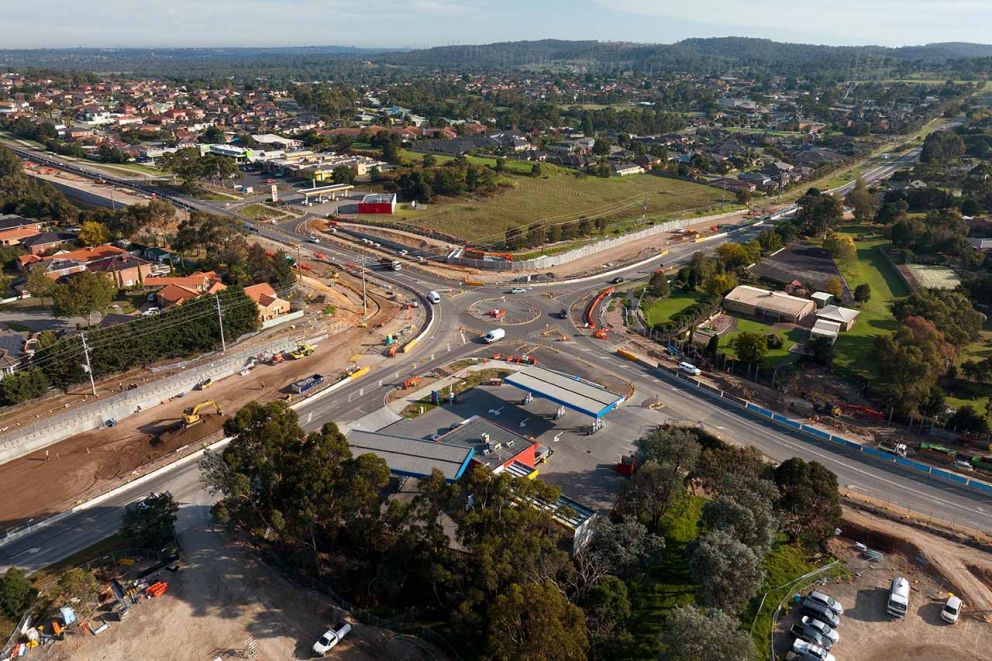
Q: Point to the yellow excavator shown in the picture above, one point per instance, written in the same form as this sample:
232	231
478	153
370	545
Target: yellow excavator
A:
302	351
191	416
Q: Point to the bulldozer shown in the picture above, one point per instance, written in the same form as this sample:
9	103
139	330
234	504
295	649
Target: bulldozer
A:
191	416
302	351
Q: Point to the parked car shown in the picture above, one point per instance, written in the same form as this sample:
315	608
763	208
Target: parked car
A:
822	627
898	603
826	600
809	652
811	635
689	368
821	612
331	638
952	610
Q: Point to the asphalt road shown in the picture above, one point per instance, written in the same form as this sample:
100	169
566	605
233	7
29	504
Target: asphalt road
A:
452	338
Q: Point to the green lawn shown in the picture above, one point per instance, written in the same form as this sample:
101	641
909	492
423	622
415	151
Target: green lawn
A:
664	309
259	212
670	583
559	197
855	348
775	357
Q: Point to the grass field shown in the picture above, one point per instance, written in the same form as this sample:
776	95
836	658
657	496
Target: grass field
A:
561	197
934	277
775	357
663	310
670	583
512	166
259	212
855	348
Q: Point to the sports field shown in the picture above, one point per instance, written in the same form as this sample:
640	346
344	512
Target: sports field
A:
562	197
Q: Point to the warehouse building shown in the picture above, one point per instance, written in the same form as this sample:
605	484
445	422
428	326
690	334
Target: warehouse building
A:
756	302
378	203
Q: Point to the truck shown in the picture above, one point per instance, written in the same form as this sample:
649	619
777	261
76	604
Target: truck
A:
898	449
306	384
898	603
938	453
392	264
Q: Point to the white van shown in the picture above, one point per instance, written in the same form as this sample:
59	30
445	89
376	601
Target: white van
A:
898	604
495	335
689	368
434	297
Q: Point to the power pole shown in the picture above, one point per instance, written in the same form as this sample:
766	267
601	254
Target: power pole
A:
365	298
220	322
87	367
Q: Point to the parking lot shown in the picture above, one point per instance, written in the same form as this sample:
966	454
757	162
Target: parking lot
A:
582	464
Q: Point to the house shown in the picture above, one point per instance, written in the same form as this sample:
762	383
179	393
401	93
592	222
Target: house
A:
824	328
624	169
45	242
845	317
756	302
270	306
11	351
822	299
125	270
15	235
10	221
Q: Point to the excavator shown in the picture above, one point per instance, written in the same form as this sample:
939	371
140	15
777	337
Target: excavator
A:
302	351
191	416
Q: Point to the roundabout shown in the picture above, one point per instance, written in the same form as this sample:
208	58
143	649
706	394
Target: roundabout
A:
506	310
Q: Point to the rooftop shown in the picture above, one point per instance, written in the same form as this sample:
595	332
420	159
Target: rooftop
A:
570	391
493	445
768	300
838	314
412	457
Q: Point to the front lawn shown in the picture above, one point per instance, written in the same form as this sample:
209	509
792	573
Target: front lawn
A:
775	357
855	348
662	310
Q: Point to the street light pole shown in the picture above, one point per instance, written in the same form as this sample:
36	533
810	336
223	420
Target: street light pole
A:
87	366
365	298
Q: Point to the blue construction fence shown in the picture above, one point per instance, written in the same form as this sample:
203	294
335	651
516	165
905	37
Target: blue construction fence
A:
821	435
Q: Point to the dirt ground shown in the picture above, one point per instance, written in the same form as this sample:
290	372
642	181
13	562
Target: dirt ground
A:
935	567
221	599
85	465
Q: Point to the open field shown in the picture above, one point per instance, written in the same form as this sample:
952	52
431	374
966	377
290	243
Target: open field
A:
663	310
856	346
513	166
775	357
560	198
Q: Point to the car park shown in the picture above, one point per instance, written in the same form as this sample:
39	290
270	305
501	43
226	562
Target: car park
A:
331	638
952	610
827	601
821	612
822	627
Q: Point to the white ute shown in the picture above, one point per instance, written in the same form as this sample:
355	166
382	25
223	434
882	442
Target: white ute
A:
331	638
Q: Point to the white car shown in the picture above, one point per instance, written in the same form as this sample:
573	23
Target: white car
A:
823	628
827	601
689	368
331	638
810	652
518	290
952	610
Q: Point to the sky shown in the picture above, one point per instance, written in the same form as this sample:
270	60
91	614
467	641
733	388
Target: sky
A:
425	23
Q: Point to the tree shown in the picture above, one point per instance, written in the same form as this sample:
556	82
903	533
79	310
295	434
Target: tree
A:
608	610
428	160
675	446
862	201
343	174
536	170
950	311
940	146
15	592
818	213
967	420
835	287
535	621
809	503
751	347
651	493
93	233
84	294
78	584
910	361
744	508
728	572
23	385
658	285
625	549
841	246
696	634
734	256
822	351
862	293
38	284
152	523
719	284
601	147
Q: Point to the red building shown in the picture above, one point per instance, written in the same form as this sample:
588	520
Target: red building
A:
381	203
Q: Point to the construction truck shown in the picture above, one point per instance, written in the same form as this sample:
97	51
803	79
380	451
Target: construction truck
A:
191	416
302	351
899	449
390	263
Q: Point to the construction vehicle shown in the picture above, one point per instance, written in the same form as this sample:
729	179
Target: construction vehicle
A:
191	416
938	453
302	351
306	384
898	449
391	263
982	463
203	385
276	359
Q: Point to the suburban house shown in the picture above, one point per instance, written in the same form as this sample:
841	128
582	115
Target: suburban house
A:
10	221
756	302
176	290
844	317
11	351
824	328
15	235
270	306
45	242
125	269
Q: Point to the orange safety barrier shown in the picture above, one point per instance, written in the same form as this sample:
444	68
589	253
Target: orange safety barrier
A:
591	310
392	349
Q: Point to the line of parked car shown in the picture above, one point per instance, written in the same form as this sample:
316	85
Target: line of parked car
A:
816	632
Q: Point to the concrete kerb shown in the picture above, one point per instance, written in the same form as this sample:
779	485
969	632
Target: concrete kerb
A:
798	430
